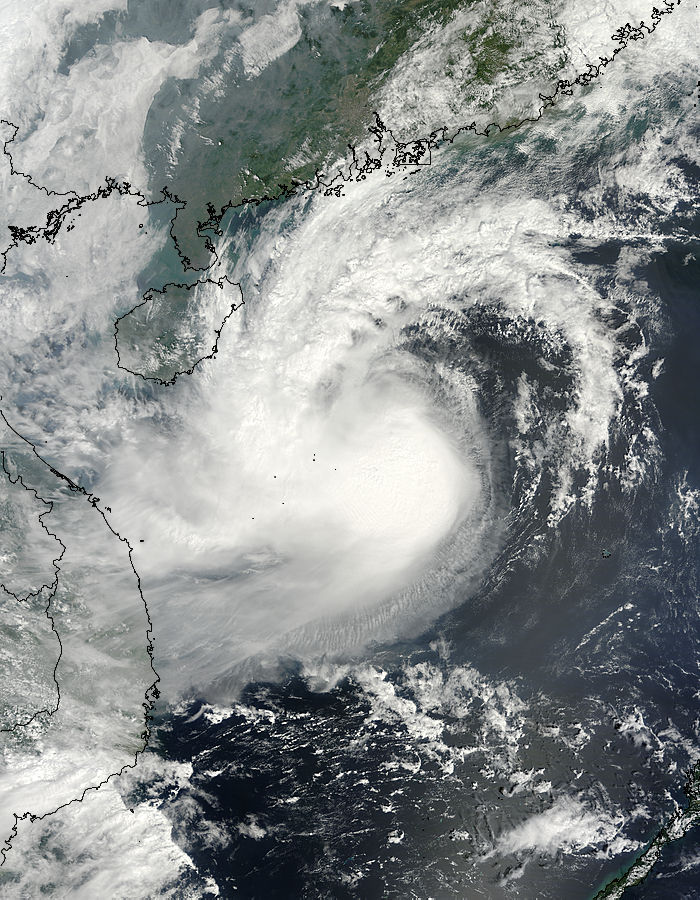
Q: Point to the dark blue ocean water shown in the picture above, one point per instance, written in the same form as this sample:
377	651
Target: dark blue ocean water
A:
569	693
346	799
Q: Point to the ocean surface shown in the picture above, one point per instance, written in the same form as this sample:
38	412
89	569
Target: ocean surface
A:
350	496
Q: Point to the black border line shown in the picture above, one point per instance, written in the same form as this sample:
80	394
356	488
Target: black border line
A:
56	218
51	588
416	152
148	296
13	171
411	153
151	694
